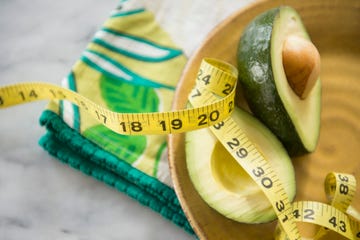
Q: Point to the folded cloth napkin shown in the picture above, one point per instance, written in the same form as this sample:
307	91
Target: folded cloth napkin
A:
131	65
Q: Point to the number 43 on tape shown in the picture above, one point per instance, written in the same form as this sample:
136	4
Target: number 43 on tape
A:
213	101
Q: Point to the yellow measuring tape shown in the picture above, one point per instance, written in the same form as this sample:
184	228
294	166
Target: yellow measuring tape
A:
139	123
213	100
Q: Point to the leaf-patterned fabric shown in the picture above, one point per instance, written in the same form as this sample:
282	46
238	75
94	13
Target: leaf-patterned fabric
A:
131	65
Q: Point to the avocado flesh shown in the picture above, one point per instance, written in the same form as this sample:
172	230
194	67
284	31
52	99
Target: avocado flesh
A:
294	120
223	184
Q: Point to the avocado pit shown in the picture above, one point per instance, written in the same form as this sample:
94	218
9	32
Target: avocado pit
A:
301	62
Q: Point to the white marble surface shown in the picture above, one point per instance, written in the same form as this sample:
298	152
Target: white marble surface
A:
41	198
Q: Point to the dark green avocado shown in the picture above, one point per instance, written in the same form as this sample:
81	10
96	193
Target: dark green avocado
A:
295	121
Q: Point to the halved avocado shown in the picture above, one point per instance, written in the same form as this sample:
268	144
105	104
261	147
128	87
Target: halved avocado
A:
295	120
223	184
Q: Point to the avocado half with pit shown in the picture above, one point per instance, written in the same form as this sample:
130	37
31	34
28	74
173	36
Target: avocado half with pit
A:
279	77
223	184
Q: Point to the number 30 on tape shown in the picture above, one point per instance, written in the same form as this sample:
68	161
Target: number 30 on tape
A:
213	101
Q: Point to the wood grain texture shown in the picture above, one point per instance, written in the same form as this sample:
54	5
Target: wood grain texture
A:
334	28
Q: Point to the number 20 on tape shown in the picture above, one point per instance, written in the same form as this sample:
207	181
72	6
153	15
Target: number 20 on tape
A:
213	101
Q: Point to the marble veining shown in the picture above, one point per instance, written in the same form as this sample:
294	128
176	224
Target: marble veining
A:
41	198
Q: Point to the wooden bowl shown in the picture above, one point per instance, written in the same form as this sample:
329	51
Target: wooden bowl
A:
334	27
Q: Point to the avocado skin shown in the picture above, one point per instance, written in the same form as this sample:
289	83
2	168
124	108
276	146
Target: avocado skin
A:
257	80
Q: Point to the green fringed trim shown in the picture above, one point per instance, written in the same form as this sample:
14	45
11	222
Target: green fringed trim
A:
70	147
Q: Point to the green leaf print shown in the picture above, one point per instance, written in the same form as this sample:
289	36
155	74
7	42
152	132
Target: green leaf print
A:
122	96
